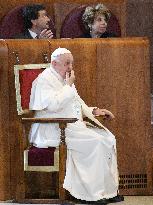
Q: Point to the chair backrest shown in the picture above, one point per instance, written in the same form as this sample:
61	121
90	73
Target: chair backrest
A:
73	27
24	76
12	24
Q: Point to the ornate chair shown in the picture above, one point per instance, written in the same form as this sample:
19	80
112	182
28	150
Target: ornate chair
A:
39	159
12	23
74	21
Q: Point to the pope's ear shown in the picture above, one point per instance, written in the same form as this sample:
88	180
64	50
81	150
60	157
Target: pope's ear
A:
53	63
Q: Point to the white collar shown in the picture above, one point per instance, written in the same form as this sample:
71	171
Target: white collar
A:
33	34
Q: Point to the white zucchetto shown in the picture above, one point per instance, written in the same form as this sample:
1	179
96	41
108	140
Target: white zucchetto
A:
58	52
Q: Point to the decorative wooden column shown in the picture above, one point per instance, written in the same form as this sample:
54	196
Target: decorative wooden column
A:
62	161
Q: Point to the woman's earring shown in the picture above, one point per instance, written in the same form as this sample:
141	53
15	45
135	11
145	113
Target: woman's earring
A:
90	28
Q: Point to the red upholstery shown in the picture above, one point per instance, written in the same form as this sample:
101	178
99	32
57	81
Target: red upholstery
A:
73	26
12	23
41	156
36	156
26	77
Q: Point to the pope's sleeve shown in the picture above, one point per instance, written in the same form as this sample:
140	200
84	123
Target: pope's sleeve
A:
44	95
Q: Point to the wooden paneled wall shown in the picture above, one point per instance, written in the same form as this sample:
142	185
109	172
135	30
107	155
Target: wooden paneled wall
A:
110	73
6	6
4	124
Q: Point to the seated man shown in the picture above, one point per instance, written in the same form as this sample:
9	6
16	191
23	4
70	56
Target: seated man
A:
36	23
91	169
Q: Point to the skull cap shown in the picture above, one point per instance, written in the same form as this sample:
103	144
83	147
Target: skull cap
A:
58	52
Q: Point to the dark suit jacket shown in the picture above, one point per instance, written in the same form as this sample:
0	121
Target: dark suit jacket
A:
24	35
104	35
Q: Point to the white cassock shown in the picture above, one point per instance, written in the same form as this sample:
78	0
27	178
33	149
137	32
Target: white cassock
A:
91	168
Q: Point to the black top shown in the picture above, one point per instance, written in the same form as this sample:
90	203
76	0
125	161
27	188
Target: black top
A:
24	35
104	35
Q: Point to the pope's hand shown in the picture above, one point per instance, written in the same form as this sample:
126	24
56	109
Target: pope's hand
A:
103	112
70	77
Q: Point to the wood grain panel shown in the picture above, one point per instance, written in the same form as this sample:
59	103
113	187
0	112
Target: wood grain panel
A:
6	6
123	87
41	185
4	125
138	23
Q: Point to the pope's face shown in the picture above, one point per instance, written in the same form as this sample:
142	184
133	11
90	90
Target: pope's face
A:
65	63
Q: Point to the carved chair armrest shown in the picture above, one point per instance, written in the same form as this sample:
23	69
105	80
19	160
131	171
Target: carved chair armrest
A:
91	123
61	121
49	120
